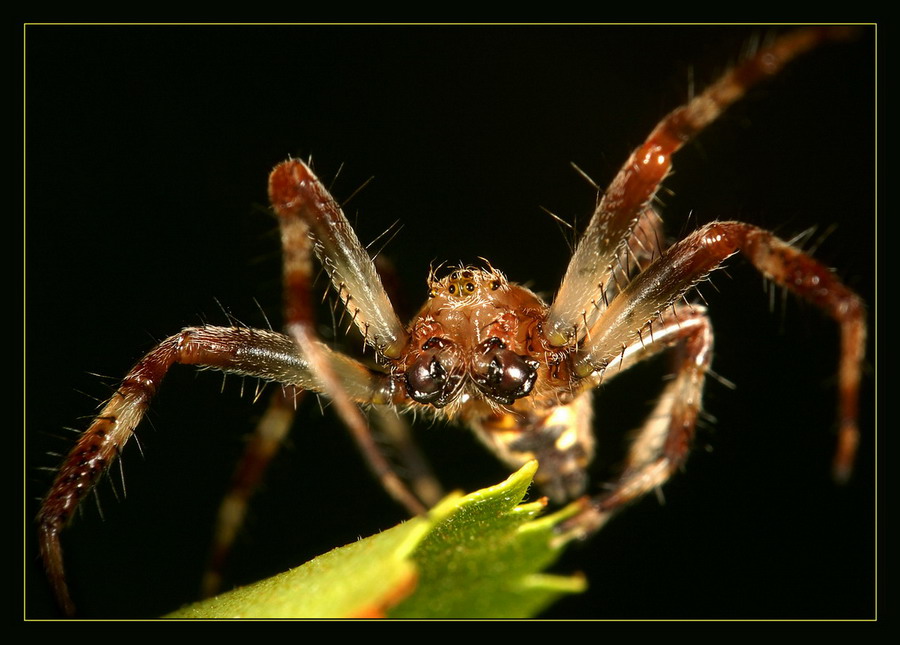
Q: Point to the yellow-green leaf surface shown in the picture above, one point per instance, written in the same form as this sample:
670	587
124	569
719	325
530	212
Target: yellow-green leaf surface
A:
474	556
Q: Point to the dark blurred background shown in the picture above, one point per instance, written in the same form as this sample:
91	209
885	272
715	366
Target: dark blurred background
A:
147	151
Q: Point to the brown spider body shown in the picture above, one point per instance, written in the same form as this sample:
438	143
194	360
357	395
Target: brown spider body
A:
478	322
491	354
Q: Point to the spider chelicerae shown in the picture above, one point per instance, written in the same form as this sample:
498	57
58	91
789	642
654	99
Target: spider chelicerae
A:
494	349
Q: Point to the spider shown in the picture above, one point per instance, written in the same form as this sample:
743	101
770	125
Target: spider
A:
492	382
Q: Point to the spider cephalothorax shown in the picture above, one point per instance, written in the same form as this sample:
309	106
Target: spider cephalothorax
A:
475	338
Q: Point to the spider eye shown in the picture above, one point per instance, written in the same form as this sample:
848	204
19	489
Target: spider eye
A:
432	379
502	374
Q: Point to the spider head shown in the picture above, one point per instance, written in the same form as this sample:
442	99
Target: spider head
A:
469	340
441	370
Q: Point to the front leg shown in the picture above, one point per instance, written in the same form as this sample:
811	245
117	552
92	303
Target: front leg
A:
598	257
661	446
248	352
311	221
632	316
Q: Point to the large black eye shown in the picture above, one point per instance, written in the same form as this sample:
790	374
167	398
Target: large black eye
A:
501	374
432	378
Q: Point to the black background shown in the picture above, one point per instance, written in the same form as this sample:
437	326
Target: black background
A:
147	151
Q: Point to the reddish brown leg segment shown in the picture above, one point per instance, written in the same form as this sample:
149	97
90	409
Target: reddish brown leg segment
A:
634	313
814	282
663	443
250	352
267	439
596	258
304	207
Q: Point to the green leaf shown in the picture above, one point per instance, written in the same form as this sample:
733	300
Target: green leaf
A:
474	556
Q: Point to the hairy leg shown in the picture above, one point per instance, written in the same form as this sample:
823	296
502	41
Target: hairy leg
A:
597	258
311	221
262	446
632	314
250	352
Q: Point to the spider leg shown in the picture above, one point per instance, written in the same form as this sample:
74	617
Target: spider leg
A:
599	252
311	221
663	443
263	445
248	352
660	285
416	469
645	244
305	208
